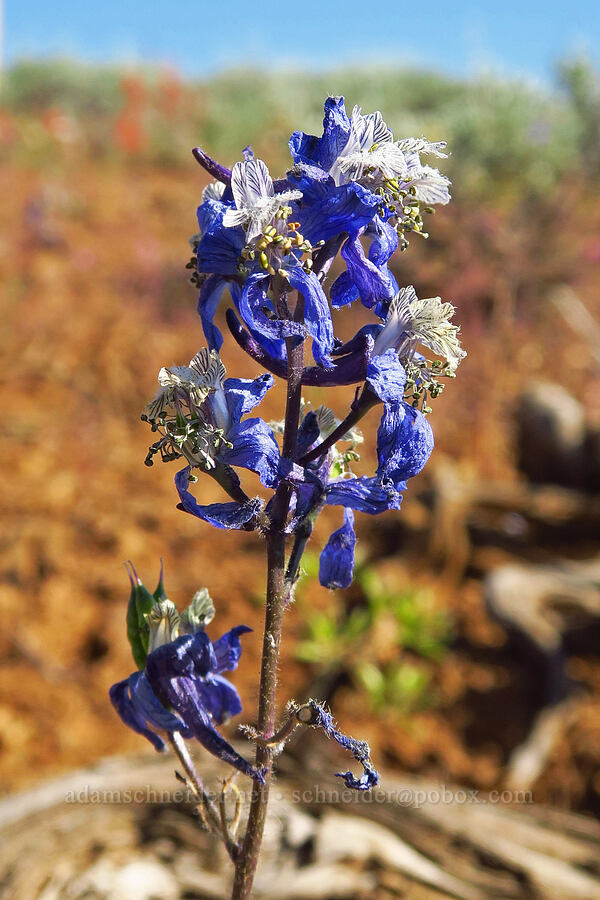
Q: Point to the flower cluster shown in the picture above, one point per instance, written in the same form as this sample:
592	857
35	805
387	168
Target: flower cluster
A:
358	193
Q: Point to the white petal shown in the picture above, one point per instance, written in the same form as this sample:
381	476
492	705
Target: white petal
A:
250	180
381	133
235	217
175	376
420	145
213	191
431	186
398	323
431	327
208	369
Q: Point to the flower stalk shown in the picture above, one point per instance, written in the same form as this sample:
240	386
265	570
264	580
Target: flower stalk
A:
275	607
352	195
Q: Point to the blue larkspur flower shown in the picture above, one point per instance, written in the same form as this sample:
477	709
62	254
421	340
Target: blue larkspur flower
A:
182	688
199	414
246	241
360	151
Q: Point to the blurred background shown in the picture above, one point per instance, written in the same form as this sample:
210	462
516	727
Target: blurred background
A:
467	648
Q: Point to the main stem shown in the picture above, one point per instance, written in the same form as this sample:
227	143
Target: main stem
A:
275	605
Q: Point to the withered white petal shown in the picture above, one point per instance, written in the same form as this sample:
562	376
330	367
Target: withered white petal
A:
412	321
213	191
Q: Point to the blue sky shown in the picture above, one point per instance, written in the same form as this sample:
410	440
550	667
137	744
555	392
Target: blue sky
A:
199	38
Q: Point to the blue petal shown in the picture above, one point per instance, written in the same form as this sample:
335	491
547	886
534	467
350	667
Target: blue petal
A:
404	443
189	654
363	339
343	291
307	497
326	211
150	706
386	376
336	564
272	346
369	779
325	150
185	696
372	282
228	649
219	248
243	394
384	241
252	304
220	698
208	301
131	715
317	317
364	494
308	434
255	448
221	515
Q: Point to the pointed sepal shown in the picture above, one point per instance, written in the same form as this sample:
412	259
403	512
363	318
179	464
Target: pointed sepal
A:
140	603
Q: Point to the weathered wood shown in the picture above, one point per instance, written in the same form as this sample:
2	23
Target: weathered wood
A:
318	845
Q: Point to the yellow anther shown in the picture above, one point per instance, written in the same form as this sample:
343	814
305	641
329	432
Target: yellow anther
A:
293	226
264	261
299	239
271	270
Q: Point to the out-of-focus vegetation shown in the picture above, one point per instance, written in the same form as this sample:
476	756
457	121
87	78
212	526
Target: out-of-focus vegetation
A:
504	137
384	640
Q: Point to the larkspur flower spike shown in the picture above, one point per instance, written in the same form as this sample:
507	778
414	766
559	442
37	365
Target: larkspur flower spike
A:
269	244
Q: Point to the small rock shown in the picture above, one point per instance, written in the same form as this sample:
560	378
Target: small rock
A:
551	435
